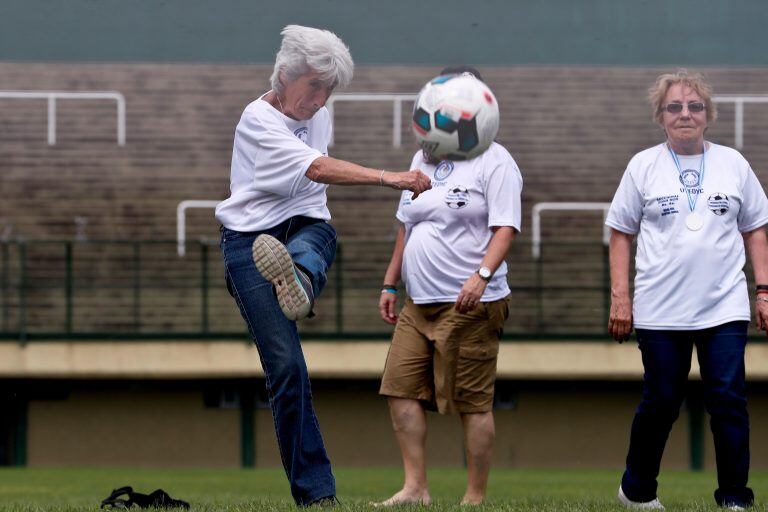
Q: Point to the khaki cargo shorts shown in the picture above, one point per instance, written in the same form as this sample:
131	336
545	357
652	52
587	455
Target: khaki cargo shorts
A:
444	358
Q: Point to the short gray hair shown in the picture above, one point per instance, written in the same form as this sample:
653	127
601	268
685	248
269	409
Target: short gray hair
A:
305	50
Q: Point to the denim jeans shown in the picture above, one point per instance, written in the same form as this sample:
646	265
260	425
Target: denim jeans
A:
667	361
312	244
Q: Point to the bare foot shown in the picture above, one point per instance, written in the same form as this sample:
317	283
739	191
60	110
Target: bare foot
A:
472	500
405	498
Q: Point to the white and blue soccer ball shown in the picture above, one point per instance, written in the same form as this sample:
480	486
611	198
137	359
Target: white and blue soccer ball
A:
455	117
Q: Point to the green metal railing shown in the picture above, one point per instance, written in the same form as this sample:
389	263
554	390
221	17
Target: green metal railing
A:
142	289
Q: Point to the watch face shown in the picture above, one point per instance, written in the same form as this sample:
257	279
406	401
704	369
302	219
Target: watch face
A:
484	272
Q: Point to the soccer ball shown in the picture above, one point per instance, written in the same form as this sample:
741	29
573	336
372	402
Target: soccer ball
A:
457	197
455	117
718	203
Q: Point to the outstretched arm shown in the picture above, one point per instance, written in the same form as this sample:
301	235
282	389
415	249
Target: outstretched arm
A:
333	171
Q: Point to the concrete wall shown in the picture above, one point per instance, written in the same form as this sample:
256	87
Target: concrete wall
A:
121	427
540	424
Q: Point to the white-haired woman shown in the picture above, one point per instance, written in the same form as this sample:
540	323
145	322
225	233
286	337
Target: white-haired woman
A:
277	218
695	205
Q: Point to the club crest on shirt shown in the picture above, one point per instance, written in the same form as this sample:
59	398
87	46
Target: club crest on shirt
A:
689	178
302	134
443	170
457	197
718	203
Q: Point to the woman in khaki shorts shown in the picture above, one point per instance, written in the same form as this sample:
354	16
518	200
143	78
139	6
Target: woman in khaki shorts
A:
450	253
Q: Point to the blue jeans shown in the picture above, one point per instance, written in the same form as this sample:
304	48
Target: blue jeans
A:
667	361
312	244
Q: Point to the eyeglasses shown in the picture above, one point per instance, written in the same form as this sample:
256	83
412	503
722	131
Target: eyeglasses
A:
676	108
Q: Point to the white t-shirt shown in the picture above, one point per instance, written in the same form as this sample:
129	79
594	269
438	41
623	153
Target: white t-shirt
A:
687	279
270	157
448	227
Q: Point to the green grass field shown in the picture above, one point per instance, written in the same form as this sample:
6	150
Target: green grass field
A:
75	490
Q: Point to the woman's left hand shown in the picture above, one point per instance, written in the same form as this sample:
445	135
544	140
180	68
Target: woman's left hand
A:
761	315
472	292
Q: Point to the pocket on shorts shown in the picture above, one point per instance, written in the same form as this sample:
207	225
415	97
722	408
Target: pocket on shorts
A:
476	374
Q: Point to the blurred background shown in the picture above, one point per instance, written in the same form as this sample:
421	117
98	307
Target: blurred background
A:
116	128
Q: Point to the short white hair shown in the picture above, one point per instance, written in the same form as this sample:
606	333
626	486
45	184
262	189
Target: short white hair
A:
305	50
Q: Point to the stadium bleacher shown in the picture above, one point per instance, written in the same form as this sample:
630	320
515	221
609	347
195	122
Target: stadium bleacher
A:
88	255
571	131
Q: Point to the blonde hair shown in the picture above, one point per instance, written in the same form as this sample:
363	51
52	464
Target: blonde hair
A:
658	92
306	50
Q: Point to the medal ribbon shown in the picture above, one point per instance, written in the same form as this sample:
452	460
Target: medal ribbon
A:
691	200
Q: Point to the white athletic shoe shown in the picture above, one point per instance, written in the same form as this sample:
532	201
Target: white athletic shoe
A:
647	505
292	286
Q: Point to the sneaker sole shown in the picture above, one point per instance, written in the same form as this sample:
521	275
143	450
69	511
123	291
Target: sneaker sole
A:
275	264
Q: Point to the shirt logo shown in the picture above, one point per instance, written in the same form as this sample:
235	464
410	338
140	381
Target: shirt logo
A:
443	170
689	178
668	204
718	203
302	134
457	197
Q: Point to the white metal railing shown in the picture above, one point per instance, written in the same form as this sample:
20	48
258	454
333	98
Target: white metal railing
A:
397	100
538	208
738	121
181	221
52	96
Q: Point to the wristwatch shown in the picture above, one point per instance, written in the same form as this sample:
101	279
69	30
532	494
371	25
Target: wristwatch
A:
484	273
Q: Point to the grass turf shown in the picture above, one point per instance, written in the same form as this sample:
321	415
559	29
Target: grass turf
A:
75	490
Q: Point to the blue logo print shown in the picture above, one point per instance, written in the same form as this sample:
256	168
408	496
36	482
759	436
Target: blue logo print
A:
302	134
443	170
689	178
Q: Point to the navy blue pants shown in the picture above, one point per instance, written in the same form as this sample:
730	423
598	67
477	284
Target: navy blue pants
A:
667	362
312	244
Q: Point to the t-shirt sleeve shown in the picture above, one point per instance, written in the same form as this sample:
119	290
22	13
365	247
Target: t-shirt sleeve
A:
280	159
627	206
753	212
406	195
503	189
330	130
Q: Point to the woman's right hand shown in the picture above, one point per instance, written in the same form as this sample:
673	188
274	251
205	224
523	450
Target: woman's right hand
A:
387	305
415	181
620	318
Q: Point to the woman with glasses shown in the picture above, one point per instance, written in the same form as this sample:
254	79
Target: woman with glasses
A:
695	207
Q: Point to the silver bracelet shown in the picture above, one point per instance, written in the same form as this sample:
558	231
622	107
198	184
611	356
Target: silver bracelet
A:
381	178
760	298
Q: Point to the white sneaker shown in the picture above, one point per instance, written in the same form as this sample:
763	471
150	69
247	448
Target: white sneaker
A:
292	286
647	505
